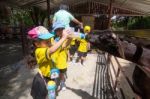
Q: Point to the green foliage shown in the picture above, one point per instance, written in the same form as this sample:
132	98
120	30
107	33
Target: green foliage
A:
29	16
23	15
140	23
137	22
38	16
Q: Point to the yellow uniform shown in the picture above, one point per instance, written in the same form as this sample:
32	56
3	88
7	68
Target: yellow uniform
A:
52	41
83	47
61	60
55	55
72	42
44	61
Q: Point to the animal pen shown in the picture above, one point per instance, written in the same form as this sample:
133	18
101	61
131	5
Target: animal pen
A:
112	81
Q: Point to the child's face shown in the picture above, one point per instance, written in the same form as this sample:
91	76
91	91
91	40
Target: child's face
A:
87	32
59	32
43	43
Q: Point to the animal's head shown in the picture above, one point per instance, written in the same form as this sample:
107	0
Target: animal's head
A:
104	40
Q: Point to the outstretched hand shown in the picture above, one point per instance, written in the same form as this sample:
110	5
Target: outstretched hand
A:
65	33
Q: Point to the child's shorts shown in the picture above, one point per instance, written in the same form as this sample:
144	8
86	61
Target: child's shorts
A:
82	54
72	49
63	70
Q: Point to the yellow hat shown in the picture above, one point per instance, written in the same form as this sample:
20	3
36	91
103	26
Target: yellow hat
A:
87	29
51	82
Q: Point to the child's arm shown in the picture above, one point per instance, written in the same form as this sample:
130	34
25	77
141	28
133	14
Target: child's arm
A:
66	43
68	53
59	43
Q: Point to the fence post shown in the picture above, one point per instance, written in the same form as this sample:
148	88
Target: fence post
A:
23	37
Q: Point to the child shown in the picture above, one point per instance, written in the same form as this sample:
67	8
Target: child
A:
62	55
84	46
40	37
72	49
74	43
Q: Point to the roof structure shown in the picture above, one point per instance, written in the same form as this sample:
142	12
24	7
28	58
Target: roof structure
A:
135	7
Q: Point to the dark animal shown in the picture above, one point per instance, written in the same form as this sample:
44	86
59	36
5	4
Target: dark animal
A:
109	42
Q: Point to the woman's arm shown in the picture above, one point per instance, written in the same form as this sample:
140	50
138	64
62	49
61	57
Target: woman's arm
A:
77	22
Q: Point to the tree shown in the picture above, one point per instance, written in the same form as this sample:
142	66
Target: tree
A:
38	16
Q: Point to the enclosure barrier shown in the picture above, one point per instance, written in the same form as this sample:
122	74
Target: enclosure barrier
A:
120	76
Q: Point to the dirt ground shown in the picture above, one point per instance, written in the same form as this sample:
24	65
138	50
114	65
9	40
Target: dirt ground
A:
79	82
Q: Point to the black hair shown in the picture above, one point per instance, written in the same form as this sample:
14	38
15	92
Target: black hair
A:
63	7
59	29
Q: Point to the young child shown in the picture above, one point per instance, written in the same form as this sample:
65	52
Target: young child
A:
72	49
62	54
74	43
84	46
40	37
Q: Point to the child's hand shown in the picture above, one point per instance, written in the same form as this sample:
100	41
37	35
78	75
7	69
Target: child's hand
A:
65	33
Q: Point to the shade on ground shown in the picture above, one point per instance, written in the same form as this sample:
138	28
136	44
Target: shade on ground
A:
80	82
10	53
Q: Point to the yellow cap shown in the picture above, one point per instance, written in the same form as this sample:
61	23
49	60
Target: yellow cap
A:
51	83
87	29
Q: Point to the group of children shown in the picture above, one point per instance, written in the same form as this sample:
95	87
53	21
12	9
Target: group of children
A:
50	51
80	45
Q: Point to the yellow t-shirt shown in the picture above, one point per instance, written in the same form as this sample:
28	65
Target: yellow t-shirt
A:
44	61
61	62
83	47
55	55
52	41
73	42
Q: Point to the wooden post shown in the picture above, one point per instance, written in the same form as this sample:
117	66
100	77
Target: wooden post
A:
110	14
23	36
48	12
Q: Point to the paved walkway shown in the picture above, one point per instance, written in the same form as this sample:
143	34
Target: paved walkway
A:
79	83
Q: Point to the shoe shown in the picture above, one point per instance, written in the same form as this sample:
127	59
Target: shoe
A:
63	86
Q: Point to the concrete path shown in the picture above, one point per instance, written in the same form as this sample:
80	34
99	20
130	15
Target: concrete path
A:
79	82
